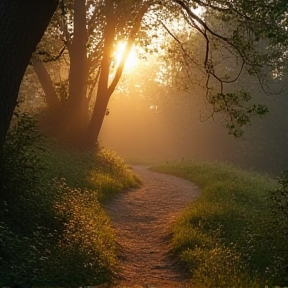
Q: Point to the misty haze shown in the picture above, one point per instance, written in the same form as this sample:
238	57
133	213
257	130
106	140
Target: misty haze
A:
143	143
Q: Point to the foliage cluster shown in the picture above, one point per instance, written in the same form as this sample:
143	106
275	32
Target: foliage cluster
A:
230	236
53	229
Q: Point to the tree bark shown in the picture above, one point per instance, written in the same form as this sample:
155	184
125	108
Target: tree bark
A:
77	102
22	24
103	93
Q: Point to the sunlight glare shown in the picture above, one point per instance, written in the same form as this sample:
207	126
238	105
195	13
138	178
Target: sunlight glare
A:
132	59
199	11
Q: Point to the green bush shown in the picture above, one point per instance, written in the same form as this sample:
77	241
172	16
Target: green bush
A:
53	229
277	233
216	267
23	194
100	170
27	222
223	236
112	175
84	253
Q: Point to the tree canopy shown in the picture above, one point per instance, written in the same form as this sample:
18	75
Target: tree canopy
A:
251	34
232	37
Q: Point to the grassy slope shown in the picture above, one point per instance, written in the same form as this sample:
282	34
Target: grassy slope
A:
54	229
101	170
221	237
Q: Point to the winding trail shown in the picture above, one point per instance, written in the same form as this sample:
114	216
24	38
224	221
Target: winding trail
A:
141	218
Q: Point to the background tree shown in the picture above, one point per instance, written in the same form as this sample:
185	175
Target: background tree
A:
90	61
165	97
240	42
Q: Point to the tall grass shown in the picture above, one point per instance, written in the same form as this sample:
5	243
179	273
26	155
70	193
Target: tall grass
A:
97	169
225	238
53	228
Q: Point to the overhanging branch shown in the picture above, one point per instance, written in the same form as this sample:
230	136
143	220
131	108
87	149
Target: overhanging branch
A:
51	58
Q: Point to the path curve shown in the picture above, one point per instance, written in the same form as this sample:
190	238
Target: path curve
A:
141	218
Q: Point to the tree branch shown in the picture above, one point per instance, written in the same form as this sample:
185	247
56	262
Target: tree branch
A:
51	58
129	45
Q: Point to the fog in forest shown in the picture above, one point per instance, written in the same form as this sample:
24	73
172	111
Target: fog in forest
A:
150	118
157	113
161	132
149	122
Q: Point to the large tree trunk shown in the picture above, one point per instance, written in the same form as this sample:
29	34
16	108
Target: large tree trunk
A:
77	109
68	124
22	24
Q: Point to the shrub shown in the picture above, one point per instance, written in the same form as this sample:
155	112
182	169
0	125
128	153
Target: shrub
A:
26	213
84	254
100	170
23	196
277	233
223	236
216	267
51	232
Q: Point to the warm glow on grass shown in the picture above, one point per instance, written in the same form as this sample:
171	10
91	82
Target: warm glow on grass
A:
132	59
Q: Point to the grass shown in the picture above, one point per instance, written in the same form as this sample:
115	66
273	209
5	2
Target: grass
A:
225	238
54	230
101	169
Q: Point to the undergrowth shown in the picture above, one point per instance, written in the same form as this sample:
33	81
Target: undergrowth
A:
235	233
53	228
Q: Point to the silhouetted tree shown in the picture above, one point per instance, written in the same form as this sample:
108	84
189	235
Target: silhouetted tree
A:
89	33
22	24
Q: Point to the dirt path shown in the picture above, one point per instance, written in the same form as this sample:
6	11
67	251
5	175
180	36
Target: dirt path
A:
141	218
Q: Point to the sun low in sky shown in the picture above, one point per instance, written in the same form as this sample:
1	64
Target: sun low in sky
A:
132	59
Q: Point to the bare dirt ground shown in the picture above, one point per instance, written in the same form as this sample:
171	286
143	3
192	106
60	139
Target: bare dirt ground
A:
141	218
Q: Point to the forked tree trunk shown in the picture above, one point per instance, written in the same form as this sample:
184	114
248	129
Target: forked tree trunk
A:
106	89
22	24
46	84
73	118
